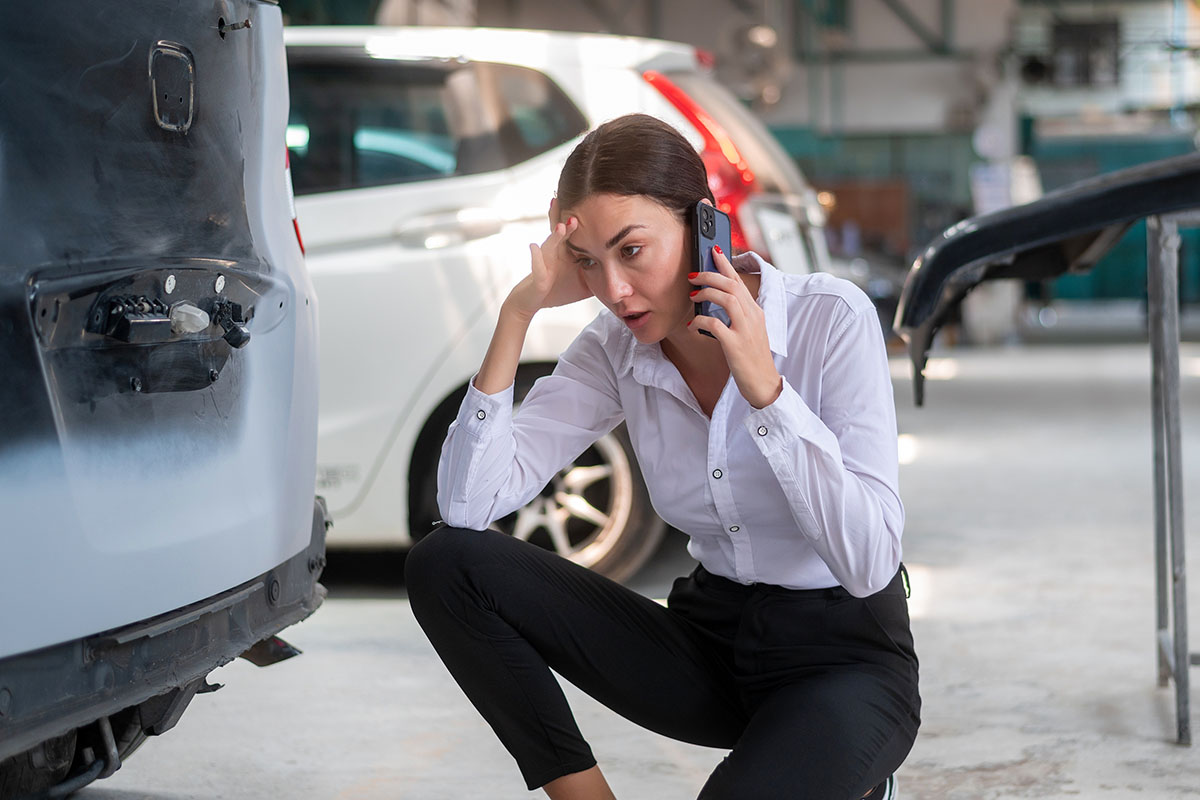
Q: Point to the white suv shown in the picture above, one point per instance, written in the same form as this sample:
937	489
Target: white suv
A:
424	161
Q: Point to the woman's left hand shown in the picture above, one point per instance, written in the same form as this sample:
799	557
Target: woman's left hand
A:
744	340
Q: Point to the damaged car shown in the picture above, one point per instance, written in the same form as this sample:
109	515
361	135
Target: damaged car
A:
159	346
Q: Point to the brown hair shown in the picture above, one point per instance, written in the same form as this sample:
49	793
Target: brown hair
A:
635	155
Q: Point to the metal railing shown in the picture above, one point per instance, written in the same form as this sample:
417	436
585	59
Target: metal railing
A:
1162	279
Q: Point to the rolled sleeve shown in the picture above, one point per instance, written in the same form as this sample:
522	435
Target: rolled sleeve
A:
492	463
483	427
485	416
777	427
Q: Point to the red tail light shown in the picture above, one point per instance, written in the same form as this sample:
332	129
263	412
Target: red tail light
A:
287	170
730	179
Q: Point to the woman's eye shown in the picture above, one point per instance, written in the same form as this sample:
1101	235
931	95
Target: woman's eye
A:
584	263
631	250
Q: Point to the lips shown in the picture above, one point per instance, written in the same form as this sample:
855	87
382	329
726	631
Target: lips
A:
636	319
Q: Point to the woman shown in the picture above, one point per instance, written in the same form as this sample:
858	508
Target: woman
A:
771	442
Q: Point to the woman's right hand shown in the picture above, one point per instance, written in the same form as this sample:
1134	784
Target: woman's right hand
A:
553	279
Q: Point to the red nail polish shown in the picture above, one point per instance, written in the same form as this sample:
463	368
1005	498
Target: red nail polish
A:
693	293
692	275
717	247
571	220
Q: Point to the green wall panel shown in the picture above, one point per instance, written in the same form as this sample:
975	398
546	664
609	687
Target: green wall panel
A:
937	168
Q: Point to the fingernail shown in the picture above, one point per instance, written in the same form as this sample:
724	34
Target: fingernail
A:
717	247
571	221
693	293
692	275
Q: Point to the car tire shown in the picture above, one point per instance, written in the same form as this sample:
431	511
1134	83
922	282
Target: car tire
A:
595	512
34	771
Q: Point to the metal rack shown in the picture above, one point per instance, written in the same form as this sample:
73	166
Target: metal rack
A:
1162	277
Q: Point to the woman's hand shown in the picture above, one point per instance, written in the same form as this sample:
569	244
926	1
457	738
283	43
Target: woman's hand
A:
553	279
744	340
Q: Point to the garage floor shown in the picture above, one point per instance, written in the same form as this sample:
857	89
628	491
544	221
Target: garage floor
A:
1029	541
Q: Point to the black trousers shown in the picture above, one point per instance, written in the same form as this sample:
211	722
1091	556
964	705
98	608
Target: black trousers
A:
814	691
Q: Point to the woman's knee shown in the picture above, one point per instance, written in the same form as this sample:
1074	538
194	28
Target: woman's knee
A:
436	558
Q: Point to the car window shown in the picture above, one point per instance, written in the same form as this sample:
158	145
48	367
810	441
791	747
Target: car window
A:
356	124
351	126
542	115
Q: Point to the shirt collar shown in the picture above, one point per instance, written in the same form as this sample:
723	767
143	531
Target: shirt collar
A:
771	298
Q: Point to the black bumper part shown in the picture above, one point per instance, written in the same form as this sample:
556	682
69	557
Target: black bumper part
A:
49	692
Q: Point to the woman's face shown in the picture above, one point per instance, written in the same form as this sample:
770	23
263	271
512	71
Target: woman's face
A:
634	255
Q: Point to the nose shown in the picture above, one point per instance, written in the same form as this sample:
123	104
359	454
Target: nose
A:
615	286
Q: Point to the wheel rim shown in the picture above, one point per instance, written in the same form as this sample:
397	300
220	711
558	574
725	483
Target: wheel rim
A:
584	509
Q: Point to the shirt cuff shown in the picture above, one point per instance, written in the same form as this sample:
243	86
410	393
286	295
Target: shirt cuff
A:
486	416
788	418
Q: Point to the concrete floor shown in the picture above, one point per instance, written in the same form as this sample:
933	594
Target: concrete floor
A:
1027	485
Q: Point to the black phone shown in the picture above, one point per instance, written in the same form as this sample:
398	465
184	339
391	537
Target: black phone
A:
711	227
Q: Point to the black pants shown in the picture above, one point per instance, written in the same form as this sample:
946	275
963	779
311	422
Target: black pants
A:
815	691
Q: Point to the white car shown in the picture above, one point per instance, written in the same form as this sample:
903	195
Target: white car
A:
158	413
424	161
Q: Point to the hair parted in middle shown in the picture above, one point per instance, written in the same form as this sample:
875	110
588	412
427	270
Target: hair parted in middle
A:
635	154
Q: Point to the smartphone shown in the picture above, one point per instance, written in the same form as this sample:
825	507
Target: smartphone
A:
712	227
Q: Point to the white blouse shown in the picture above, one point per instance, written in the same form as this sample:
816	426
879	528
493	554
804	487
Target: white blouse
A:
801	494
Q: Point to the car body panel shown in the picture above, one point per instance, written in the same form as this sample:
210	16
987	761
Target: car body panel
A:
1067	230
123	503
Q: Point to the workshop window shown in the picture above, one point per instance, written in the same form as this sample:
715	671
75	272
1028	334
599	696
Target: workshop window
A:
1086	54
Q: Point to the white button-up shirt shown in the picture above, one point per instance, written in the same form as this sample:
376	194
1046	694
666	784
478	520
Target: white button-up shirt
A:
801	494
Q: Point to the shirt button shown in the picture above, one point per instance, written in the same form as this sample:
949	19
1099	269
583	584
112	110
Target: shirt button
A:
762	430
734	529
717	474
480	414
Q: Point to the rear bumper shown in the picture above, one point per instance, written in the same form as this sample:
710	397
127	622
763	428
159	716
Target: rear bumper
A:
49	692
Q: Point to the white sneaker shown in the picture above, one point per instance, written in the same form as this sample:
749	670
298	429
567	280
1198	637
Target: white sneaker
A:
884	791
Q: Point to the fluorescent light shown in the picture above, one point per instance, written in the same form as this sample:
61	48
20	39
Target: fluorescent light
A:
296	137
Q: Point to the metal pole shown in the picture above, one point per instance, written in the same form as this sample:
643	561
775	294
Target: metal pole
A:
654	18
1165	235
1154	306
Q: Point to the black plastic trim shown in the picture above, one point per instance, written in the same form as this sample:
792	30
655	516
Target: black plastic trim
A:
52	691
1067	230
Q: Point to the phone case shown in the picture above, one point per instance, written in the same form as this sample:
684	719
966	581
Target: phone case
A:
711	226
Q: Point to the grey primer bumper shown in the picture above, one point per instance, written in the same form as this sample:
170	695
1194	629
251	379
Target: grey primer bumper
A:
164	660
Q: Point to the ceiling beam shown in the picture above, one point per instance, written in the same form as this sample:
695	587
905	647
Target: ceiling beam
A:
885	56
935	43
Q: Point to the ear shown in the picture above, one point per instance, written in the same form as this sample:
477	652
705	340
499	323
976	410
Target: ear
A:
553	213
706	201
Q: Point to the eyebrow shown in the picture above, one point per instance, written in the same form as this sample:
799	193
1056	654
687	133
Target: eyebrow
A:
621	234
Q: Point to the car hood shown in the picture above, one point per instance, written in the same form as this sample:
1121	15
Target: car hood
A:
1067	230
